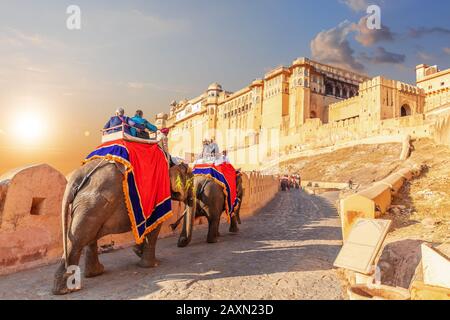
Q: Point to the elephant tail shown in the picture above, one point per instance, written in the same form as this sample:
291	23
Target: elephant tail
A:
68	199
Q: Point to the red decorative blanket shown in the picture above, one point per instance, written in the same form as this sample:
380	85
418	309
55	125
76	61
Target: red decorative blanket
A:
225	175
146	183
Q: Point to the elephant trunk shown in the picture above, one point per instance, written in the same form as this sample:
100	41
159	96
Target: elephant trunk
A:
188	225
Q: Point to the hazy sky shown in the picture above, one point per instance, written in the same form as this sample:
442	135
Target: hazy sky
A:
146	53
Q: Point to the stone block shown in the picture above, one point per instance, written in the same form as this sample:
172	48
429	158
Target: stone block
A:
421	291
435	267
353	208
363	244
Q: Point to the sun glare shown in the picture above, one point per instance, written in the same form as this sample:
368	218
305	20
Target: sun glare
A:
29	127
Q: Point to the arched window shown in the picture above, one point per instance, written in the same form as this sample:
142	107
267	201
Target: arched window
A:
313	114
405	110
329	89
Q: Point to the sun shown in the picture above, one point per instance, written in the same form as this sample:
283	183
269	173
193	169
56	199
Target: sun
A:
28	127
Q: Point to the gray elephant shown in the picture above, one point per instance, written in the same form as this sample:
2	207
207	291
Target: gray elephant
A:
210	203
98	209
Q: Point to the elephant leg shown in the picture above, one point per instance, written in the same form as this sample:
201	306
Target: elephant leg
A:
148	259
138	249
234	225
93	267
213	230
60	285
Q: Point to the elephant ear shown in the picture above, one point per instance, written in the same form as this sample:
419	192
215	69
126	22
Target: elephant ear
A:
187	170
120	167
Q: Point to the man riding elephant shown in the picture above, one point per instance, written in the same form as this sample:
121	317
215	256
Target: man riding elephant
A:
210	202
98	209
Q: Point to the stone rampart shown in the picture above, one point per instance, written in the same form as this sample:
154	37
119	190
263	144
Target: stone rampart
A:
30	215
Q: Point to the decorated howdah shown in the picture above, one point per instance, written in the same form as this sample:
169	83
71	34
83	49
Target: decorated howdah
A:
223	174
146	182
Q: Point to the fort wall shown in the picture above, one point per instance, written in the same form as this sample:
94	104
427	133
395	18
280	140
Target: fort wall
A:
30	220
374	201
30	205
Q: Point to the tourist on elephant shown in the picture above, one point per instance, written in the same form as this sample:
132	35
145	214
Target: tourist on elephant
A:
206	152
163	139
214	148
140	125
118	119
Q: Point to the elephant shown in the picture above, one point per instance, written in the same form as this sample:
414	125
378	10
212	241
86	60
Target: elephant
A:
98	209
210	203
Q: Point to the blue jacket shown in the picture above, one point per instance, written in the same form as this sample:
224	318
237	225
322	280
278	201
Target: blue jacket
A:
117	121
142	124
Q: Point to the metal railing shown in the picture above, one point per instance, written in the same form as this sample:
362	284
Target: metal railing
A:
153	135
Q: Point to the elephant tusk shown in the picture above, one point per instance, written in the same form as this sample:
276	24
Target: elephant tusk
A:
176	223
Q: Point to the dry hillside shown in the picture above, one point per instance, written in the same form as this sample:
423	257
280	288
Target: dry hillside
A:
422	207
362	164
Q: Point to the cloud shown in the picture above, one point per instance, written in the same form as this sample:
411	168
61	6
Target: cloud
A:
447	50
381	56
17	38
425	56
424	31
368	37
136	85
135	23
148	85
331	46
356	5
35	69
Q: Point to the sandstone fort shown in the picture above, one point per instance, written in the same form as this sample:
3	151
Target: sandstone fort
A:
305	106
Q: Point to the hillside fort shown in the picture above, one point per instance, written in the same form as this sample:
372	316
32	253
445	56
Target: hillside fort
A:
307	105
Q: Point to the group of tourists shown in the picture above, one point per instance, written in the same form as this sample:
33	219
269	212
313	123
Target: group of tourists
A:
140	127
288	182
136	126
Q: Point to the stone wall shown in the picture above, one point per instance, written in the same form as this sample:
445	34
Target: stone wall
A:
315	135
30	223
373	201
30	205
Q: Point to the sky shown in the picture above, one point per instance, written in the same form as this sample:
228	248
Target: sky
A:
58	86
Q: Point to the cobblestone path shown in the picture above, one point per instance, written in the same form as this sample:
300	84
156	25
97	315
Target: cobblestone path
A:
286	251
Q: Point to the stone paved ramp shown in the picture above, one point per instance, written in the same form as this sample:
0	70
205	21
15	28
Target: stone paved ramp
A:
284	252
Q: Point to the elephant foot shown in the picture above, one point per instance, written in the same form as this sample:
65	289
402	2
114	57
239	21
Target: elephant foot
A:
149	263
234	229
63	291
183	242
60	285
212	240
94	271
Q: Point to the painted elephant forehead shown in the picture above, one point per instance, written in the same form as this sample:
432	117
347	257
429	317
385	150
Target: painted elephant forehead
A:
146	183
225	176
